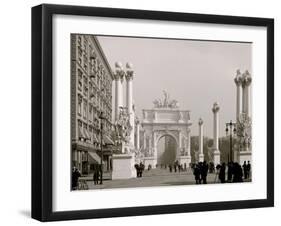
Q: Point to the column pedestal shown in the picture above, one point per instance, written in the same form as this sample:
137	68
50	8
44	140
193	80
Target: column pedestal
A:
216	157
123	166
201	158
150	161
244	156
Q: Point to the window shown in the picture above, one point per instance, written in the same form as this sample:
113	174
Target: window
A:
85	85
79	104
80	130
90	112
80	75
85	109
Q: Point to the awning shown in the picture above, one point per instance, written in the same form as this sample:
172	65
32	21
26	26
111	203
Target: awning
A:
94	157
108	141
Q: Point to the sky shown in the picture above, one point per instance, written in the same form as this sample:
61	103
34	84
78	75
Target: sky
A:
196	73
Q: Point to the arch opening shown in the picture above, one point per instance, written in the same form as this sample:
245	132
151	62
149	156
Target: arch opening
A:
166	150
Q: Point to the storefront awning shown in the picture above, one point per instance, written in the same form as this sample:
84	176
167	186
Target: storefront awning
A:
94	157
108	141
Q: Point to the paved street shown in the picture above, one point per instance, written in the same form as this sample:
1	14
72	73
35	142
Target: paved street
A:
155	177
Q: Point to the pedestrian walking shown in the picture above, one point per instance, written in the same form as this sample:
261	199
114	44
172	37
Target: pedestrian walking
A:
141	168
245	170
196	173
74	178
248	169
204	172
237	173
229	171
222	173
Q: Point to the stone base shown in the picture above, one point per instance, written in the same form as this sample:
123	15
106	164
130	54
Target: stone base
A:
149	161
235	156
123	166
244	156
184	160
201	158
217	157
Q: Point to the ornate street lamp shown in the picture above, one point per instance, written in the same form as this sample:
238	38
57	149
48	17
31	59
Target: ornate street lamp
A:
231	129
101	117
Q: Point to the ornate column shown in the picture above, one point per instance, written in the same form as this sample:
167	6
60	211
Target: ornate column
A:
188	142
119	77
215	110
238	82
129	96
137	134
201	155
180	144
246	81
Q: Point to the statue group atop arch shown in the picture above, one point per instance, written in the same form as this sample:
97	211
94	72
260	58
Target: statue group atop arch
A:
166	102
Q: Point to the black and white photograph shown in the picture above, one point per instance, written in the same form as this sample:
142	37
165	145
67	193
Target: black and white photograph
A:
149	112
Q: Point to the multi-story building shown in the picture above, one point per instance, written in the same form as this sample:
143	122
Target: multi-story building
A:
91	94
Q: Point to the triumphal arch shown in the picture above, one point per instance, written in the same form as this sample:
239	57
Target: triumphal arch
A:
166	119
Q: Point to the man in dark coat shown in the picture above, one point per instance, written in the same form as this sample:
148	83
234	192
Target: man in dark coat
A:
175	166
170	168
196	173
204	172
75	176
248	169
137	167
245	171
222	173
141	168
96	174
237	172
229	171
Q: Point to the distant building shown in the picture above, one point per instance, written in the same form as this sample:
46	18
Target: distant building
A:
91	94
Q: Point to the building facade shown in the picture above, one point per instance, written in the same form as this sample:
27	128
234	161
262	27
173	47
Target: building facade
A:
91	95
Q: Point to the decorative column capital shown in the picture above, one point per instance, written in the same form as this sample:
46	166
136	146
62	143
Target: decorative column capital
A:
215	108
119	72
129	73
238	79
246	78
200	122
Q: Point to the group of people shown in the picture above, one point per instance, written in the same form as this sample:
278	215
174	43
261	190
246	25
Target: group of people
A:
177	167
200	172
231	172
235	173
246	169
139	168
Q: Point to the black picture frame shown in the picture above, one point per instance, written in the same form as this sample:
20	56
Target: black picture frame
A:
42	107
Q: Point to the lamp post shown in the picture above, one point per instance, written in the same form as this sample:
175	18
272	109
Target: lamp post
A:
231	128
101	117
